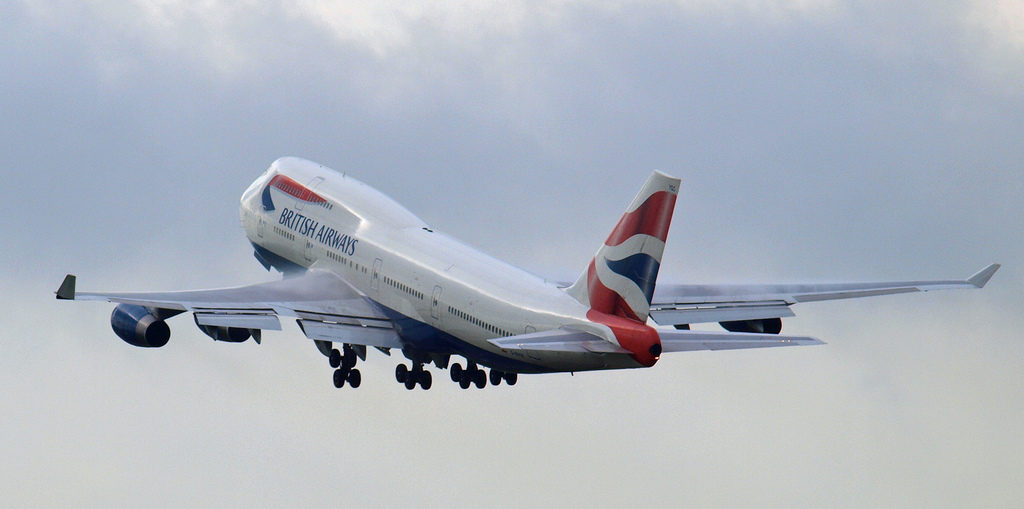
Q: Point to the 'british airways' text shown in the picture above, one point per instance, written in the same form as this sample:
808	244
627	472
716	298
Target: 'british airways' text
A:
322	233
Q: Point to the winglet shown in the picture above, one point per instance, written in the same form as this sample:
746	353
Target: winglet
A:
67	288
983	275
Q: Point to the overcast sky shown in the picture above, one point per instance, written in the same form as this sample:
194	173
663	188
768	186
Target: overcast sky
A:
816	140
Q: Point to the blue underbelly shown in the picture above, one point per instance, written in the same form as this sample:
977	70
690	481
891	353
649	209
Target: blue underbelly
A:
427	338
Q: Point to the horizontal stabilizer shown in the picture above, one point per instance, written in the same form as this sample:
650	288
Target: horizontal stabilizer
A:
558	340
562	340
689	341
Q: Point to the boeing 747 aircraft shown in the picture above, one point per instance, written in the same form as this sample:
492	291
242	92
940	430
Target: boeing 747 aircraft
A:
362	271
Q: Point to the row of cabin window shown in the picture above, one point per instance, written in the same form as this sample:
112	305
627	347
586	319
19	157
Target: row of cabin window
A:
338	258
288	235
476	321
403	287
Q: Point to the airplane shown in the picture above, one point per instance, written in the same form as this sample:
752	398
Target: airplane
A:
359	270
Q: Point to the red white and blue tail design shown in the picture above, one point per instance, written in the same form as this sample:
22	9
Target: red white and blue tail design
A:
620	279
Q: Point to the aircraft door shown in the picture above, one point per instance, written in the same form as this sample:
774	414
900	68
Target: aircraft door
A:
261	227
435	303
375	275
532	354
308	252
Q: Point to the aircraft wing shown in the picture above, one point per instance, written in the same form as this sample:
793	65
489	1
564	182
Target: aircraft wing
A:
685	304
327	307
562	340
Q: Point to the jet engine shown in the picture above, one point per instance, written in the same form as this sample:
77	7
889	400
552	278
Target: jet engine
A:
760	326
229	334
137	326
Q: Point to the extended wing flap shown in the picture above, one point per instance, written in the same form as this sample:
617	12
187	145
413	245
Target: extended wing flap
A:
243	320
380	337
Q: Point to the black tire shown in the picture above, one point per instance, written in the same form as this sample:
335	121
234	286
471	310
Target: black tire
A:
495	377
339	378
401	373
456	372
348	360
334	358
464	380
426	380
410	383
480	379
354	378
511	378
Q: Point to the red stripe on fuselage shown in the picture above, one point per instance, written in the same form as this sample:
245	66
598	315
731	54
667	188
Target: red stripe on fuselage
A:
652	218
293	188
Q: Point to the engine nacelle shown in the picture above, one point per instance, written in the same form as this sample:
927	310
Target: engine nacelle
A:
760	326
138	327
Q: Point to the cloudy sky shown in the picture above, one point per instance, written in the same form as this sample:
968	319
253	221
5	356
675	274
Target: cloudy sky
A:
816	140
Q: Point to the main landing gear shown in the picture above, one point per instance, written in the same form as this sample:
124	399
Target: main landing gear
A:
472	375
344	362
412	376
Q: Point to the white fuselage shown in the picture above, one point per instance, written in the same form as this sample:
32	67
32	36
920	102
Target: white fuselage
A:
443	296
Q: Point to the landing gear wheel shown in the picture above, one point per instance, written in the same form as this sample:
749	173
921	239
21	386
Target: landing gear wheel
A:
335	358
511	378
456	372
354	378
495	377
401	373
480	379
464	380
410	383
339	378
426	380
348	360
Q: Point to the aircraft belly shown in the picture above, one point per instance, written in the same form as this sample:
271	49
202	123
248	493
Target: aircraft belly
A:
427	338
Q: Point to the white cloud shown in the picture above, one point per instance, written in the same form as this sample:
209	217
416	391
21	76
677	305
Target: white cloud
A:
998	28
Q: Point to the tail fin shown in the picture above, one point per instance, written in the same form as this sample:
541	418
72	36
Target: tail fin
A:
620	279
